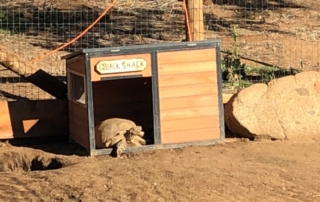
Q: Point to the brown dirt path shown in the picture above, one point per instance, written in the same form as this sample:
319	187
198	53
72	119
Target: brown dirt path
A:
239	171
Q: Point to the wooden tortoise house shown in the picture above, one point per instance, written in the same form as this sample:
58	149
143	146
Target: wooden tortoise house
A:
174	91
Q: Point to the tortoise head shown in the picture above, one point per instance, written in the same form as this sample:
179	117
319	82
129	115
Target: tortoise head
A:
134	131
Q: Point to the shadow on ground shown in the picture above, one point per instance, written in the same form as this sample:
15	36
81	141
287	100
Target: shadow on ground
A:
54	145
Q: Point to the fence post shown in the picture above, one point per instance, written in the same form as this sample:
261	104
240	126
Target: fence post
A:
195	10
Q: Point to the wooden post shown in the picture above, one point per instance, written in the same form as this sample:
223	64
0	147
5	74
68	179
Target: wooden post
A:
195	10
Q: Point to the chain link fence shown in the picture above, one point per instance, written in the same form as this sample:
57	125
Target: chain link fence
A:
262	39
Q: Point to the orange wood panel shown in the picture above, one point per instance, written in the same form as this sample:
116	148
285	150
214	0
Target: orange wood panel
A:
78	122
188	101
78	65
79	135
187	79
187	113
184	136
188	90
186	56
77	111
83	123
5	121
189	124
188	96
187	68
26	118
78	119
147	72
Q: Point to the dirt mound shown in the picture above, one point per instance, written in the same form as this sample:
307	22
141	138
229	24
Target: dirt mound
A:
25	160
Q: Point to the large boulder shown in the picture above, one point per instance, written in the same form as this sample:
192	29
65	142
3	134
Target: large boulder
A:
286	108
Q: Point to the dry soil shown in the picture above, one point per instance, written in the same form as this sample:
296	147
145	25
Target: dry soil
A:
237	171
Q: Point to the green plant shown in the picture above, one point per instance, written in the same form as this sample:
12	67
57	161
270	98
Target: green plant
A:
269	73
233	70
4	31
236	73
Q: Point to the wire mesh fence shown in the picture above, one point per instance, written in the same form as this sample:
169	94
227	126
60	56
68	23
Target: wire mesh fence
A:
262	39
266	38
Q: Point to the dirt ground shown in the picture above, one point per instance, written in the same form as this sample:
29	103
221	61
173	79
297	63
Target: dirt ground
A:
237	171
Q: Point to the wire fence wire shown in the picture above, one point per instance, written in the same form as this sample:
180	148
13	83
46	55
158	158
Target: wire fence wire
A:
273	38
265	38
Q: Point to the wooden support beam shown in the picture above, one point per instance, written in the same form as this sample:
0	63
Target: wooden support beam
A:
195	10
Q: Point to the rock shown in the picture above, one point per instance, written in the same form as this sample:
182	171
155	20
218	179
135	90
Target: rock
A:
286	108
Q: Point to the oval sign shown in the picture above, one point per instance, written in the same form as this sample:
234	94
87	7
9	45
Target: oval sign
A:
117	66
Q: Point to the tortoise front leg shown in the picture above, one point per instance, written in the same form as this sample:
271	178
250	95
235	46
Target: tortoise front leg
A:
121	146
138	141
